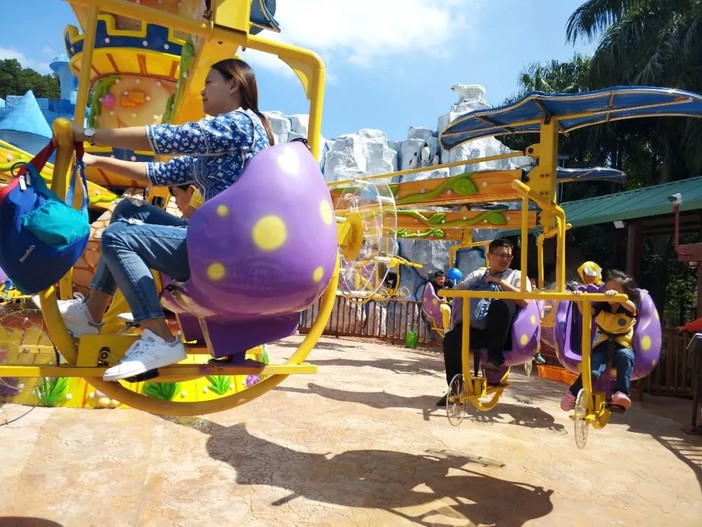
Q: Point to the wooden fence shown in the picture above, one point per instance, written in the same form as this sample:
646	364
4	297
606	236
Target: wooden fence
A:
388	320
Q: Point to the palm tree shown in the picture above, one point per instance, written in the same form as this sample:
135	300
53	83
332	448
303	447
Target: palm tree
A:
649	42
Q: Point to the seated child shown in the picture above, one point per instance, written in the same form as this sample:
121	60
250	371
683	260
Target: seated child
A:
614	327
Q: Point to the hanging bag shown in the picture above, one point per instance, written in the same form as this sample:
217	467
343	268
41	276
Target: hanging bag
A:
479	307
41	236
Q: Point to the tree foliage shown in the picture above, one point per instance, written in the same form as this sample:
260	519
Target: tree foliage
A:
641	42
16	80
649	43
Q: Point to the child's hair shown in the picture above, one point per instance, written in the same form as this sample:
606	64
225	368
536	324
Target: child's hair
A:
627	282
184	187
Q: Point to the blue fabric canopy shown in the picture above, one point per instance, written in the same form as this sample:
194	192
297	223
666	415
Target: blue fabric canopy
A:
572	111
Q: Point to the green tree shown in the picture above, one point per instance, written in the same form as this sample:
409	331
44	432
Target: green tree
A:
16	80
654	43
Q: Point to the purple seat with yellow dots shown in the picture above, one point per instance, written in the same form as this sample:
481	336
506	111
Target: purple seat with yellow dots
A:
260	252
647	335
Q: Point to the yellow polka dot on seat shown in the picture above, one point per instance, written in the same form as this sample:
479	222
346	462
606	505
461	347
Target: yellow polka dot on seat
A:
533	319
222	210
326	211
434	301
269	233
645	343
215	271
523	340
318	274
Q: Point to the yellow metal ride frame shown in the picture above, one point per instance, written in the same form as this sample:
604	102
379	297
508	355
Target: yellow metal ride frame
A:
222	34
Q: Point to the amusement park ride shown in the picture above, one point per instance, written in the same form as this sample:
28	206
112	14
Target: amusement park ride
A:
145	61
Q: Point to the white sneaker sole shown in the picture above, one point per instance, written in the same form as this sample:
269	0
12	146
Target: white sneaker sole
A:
133	368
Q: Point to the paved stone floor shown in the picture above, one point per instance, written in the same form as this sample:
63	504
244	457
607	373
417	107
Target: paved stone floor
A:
359	444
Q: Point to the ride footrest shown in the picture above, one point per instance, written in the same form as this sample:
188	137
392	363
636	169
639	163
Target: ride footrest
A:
146	376
615	408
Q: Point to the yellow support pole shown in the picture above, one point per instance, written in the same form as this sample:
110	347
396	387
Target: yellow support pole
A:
308	66
63	134
426	169
524	254
585	362
86	60
465	346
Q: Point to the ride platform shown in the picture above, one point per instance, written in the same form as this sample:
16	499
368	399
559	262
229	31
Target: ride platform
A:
359	444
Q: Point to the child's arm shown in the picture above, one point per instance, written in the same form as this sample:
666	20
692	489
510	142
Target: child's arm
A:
628	305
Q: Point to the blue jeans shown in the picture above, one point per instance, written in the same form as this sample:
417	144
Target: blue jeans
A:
623	362
141	237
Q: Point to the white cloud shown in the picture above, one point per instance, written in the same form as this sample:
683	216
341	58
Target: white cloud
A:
364	30
368	32
26	62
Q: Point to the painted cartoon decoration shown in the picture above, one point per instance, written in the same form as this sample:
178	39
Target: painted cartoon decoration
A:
254	266
134	73
647	336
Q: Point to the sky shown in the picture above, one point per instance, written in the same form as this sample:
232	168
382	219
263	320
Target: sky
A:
390	63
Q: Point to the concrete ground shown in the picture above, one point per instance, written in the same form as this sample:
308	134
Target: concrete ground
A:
359	444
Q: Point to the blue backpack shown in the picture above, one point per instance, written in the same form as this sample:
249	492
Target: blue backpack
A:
41	236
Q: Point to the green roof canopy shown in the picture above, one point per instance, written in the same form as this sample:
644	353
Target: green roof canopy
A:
633	204
630	205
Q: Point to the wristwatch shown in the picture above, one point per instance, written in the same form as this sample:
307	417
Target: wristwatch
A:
89	134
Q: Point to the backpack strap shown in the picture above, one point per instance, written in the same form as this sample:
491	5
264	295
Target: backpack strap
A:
38	161
78	168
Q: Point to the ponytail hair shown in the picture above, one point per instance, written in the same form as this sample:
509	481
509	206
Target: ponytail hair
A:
243	75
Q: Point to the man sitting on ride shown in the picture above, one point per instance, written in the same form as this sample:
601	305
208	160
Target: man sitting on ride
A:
491	320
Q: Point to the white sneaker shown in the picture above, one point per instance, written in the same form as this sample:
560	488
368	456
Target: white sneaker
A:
147	353
75	315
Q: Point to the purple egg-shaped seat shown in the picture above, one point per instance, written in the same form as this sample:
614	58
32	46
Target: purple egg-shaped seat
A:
260	252
526	332
647	335
431	307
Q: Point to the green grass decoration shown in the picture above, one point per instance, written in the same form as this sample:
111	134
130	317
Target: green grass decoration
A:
161	390
219	384
52	391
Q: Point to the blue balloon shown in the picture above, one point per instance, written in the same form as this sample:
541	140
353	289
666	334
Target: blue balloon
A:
454	274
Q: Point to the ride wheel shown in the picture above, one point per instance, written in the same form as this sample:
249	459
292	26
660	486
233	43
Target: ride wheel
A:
125	392
455	408
580	423
370	212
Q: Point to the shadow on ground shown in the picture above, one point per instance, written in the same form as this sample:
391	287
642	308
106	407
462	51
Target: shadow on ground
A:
382	479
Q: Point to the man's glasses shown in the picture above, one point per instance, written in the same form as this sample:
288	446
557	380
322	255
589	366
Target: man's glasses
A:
502	256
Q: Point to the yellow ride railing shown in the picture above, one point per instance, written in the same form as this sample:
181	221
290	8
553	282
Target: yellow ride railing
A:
476	387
